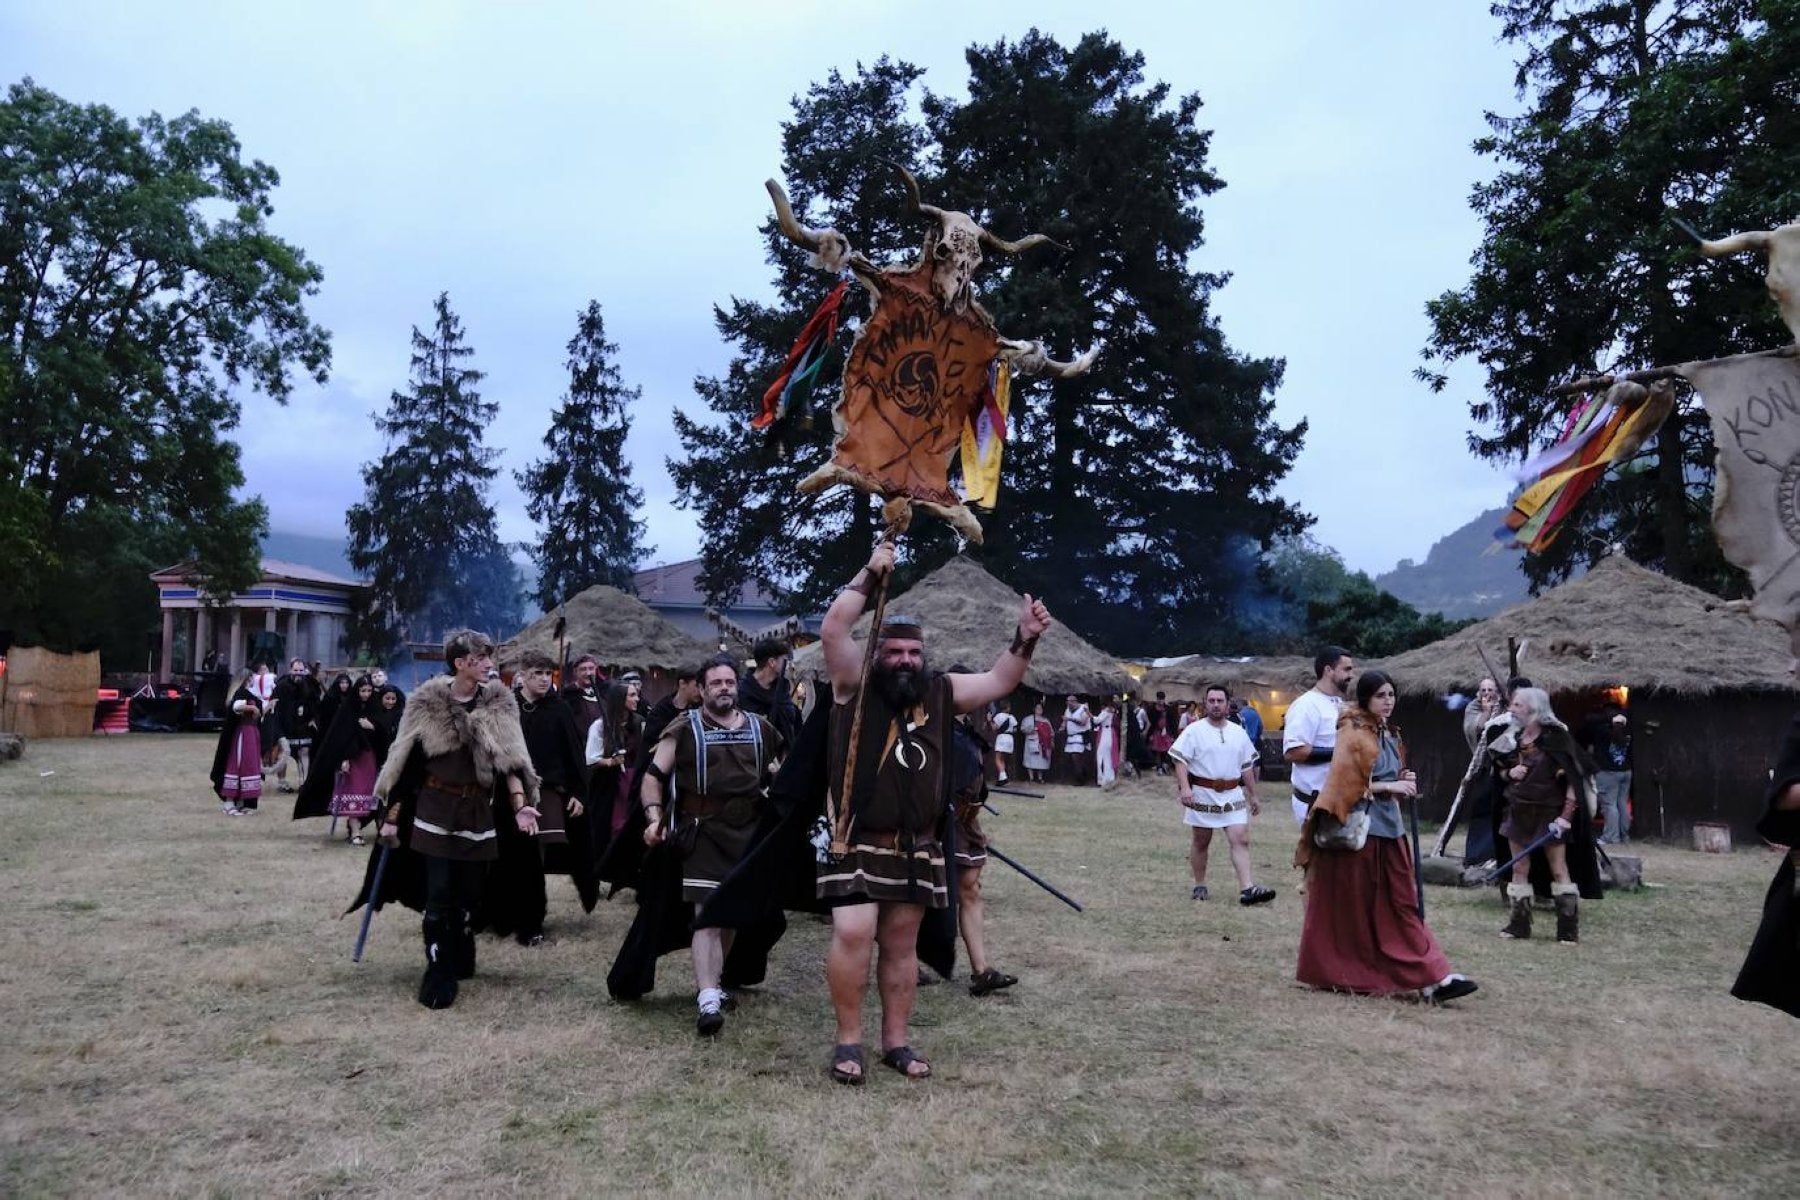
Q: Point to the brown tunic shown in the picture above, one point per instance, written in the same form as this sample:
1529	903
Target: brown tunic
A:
719	780
455	813
897	801
1536	800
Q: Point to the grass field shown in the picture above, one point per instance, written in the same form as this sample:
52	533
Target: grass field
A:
182	1017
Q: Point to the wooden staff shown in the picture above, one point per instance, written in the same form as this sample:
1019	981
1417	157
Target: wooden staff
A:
898	514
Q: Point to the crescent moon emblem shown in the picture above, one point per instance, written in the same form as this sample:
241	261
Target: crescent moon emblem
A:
900	749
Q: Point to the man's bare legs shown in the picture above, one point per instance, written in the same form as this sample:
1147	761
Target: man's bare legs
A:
856	931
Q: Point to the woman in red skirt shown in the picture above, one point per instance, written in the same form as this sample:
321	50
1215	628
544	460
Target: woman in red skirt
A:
1363	931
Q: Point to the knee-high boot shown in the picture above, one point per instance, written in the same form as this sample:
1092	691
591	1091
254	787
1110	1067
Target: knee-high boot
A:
1568	912
438	988
462	953
1518	898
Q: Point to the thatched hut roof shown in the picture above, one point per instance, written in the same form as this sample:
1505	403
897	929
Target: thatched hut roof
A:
1618	625
969	617
1183	680
615	627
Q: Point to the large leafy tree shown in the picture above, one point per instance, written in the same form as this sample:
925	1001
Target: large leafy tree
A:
425	533
1128	493
581	492
140	287
1633	110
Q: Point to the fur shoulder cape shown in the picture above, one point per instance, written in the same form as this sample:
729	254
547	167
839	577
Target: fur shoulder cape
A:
434	723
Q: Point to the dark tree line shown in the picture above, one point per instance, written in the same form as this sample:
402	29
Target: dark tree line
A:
1632	111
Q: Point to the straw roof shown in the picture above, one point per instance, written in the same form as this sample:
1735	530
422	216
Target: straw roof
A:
1184	680
969	617
615	627
1618	625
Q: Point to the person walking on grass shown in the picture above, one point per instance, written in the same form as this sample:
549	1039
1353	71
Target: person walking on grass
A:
706	787
1215	781
459	766
887	860
1364	931
237	762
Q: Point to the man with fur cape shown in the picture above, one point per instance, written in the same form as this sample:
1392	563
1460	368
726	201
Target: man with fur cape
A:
458	792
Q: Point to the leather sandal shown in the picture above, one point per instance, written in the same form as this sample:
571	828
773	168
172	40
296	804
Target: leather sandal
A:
901	1058
842	1056
990	980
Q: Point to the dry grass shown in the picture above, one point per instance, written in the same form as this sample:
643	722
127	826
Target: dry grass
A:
182	1018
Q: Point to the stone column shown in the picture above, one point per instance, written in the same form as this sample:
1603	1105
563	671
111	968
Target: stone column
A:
203	636
167	663
293	636
234	656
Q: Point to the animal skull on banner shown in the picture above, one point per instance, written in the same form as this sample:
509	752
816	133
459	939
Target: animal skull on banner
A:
916	372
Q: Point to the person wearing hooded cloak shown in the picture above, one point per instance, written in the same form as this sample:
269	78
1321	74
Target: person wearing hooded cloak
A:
1771	971
347	760
238	761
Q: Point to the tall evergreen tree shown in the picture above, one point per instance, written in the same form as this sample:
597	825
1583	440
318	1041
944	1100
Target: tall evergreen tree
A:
581	492
425	534
1633	109
754	526
1129	493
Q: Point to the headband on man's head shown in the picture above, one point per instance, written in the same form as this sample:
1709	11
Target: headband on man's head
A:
902	627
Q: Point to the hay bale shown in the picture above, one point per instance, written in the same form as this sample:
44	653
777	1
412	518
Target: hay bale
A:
48	694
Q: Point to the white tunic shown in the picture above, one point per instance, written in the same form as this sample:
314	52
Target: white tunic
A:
1004	724
1311	721
1210	752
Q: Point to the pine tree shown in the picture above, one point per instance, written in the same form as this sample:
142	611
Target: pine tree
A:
1634	109
581	492
425	534
1129	495
755	527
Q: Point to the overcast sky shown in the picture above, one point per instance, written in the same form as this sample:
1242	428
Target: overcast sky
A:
529	157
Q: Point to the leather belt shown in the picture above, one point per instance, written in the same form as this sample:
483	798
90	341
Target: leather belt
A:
1234	806
464	791
1218	785
1305	797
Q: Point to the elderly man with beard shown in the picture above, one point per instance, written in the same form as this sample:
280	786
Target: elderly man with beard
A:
886	864
714	768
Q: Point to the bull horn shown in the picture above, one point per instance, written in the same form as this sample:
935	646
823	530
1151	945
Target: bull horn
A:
916	206
1737	243
796	233
1003	246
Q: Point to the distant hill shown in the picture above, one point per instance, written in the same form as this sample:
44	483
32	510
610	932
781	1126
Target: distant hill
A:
1467	573
320	553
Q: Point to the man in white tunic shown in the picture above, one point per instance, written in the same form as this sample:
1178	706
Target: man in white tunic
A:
1309	732
1215	780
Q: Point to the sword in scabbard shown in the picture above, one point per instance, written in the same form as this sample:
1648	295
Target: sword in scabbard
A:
1035	878
1549	835
362	935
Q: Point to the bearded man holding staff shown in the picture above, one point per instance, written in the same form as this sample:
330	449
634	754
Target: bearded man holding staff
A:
888	816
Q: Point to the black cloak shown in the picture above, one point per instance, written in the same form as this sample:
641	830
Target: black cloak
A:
343	741
228	734
558	755
1771	972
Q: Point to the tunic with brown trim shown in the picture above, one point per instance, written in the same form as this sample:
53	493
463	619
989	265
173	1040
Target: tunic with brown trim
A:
717	800
898	799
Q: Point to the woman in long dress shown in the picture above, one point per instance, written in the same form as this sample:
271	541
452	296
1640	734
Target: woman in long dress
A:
1363	931
238	761
1037	744
349	757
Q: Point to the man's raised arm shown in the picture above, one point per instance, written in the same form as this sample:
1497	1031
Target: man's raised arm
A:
843	659
970	692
